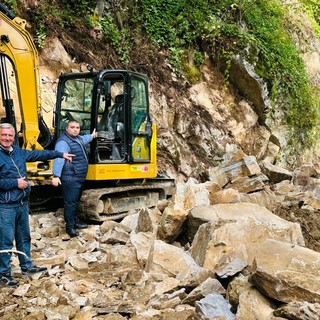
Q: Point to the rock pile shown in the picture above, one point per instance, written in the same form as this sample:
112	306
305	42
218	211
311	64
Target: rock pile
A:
216	250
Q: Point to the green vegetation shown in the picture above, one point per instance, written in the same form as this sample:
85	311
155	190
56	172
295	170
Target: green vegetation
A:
119	38
259	30
282	66
312	8
256	29
11	4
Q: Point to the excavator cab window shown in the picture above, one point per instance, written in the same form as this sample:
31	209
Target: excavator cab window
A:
76	104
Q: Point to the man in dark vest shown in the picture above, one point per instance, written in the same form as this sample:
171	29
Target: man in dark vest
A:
72	175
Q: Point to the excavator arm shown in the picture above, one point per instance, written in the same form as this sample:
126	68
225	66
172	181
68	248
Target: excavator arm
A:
17	45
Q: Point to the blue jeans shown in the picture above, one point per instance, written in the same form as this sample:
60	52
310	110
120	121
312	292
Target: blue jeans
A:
14	225
71	191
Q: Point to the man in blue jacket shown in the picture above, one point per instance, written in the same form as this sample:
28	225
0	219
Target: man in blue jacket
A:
14	203
72	175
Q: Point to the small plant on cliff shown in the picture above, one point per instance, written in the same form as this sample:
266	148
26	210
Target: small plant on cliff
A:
118	38
312	8
281	65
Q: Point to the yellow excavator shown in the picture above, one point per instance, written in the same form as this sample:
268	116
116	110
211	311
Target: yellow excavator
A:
122	173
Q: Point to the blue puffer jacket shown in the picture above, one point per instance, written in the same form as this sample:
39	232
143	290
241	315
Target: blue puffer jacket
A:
13	167
78	167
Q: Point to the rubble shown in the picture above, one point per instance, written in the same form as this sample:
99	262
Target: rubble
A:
217	250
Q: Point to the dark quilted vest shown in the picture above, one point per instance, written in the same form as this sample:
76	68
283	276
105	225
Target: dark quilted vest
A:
78	167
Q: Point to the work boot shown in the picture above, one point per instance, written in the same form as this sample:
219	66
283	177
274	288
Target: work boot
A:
81	225
8	281
72	232
34	269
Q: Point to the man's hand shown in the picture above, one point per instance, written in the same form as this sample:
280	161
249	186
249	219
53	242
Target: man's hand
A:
94	133
22	183
56	181
68	156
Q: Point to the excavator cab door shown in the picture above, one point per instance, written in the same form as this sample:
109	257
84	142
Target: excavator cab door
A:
112	117
140	122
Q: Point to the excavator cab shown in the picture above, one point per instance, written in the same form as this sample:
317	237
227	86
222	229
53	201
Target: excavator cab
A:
115	102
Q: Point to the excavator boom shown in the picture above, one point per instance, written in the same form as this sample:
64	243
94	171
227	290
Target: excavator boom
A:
17	46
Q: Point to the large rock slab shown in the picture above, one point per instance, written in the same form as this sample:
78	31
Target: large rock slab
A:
274	173
265	198
299	310
168	259
287	272
171	223
190	194
223	213
214	306
228	241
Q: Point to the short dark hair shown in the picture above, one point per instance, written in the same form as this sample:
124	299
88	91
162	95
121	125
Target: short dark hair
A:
72	121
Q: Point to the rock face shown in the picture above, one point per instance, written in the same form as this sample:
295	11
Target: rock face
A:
189	145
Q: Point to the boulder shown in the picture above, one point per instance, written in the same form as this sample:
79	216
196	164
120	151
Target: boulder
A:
287	272
228	242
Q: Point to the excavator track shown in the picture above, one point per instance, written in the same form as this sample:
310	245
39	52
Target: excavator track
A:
114	203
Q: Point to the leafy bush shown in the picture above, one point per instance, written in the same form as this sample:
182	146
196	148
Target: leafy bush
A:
118	38
71	9
159	19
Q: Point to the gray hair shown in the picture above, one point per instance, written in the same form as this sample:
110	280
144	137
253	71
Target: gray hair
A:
7	126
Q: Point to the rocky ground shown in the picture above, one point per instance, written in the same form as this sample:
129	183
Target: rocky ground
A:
216	250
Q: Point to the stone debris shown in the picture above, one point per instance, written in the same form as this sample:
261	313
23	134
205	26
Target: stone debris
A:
234	247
